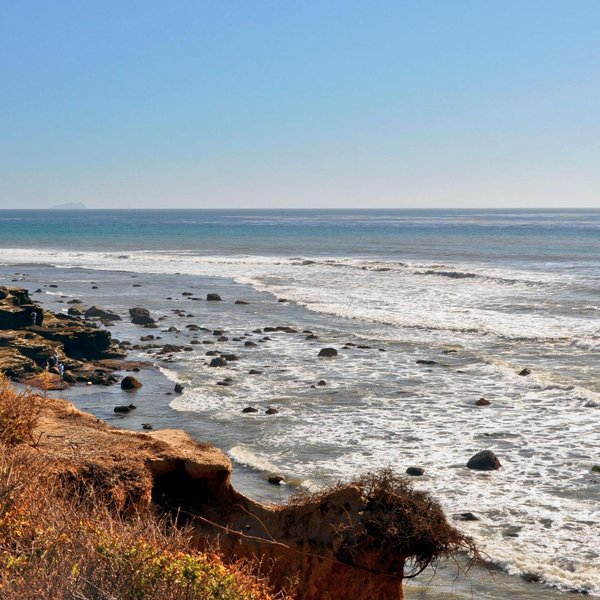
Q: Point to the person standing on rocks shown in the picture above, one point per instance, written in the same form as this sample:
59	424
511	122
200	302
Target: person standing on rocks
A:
33	318
61	370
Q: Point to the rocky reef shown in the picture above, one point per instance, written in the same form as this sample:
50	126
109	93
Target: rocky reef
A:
33	341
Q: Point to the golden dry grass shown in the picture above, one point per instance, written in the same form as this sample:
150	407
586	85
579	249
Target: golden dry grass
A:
54	546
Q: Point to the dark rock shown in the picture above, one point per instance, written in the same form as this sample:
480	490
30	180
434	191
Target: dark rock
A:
276	479
241	302
482	402
100	313
322	382
230	357
282	300
224	383
312	336
169	348
524	372
596	469
218	332
415	471
140	316
422	361
213	298
76	311
286	329
485	460
122	409
271	411
257	331
269	329
223	338
178	388
328	352
130	383
187	294
250	344
75	301
147	426
218	362
172	330
465	516
254	372
250	409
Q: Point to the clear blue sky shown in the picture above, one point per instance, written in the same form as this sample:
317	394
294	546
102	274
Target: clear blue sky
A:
298	103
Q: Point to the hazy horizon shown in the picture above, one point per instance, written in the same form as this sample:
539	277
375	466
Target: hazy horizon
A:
270	105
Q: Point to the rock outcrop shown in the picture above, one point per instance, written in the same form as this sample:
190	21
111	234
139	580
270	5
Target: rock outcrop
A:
27	349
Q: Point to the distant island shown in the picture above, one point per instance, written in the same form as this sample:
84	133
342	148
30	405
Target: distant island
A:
70	206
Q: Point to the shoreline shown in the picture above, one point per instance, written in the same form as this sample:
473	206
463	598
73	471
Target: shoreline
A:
131	416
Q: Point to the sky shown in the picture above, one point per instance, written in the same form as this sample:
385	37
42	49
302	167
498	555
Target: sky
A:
300	104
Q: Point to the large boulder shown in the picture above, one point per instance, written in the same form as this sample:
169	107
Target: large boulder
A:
130	383
485	460
213	297
140	316
328	352
96	312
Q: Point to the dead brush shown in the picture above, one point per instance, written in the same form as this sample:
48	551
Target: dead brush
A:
19	414
397	521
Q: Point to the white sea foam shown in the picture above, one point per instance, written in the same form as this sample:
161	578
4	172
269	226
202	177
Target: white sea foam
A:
383	409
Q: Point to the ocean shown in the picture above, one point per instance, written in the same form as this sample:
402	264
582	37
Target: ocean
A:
429	311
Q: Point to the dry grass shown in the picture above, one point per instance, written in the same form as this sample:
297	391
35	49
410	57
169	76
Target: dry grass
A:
19	413
59	545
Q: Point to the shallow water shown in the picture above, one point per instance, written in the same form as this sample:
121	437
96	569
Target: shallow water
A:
494	301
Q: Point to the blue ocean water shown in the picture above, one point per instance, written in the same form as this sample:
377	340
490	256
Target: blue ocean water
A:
496	236
480	294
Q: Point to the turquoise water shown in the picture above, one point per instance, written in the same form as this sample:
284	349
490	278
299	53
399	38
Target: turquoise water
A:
483	294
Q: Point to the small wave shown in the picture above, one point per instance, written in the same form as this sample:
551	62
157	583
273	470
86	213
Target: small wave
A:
243	455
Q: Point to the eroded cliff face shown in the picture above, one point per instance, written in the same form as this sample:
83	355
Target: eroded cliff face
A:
298	545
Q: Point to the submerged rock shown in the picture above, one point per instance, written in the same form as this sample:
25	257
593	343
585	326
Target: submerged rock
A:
218	362
524	372
213	298
482	402
101	313
250	409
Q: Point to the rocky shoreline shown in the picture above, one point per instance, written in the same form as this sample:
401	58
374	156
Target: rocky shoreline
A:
312	542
